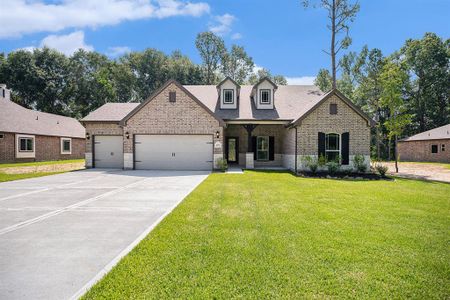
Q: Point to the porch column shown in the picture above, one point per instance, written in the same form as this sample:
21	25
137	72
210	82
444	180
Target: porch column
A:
249	156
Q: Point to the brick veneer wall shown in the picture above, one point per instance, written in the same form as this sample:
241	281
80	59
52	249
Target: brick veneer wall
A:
346	120
185	116
46	148
421	151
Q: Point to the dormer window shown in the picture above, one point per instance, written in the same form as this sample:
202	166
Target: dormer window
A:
265	96
228	96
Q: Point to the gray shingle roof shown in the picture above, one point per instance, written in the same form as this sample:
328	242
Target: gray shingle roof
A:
291	102
113	112
18	119
439	133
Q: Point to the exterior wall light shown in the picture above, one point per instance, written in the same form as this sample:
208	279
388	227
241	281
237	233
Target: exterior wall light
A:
127	135
217	134
88	136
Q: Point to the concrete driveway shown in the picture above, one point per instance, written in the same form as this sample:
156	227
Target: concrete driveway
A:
61	233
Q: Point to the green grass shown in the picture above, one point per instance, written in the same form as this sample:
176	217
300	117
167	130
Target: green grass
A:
41	163
10	177
273	235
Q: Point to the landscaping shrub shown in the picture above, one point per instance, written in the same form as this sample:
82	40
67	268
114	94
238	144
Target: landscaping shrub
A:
222	164
359	163
311	163
322	161
333	166
381	169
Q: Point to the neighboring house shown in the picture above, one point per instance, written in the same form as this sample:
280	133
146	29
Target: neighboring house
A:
432	145
190	127
29	135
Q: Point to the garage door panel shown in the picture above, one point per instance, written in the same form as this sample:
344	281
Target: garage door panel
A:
173	152
108	151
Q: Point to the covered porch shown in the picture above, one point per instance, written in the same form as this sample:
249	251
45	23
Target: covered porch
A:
253	145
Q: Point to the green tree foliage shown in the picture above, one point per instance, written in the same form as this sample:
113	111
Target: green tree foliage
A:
264	73
394	80
428	61
212	49
237	64
340	14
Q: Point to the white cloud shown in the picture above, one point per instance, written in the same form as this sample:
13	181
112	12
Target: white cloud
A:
257	68
303	80
118	51
236	36
222	24
68	43
25	17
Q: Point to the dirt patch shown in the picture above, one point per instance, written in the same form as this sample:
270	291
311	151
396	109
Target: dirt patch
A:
44	168
420	171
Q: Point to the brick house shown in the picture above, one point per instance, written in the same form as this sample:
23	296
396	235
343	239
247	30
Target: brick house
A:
191	127
429	146
29	135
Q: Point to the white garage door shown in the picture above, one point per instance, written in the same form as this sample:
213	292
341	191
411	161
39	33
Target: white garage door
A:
108	151
173	152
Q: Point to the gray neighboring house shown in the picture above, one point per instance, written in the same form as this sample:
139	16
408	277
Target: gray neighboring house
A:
190	127
432	146
29	135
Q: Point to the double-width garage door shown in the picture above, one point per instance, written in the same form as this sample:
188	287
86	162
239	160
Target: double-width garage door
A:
108	151
173	152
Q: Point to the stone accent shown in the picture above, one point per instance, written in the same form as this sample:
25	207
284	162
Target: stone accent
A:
216	156
346	120
128	161
88	160
421	151
46	148
185	116
249	163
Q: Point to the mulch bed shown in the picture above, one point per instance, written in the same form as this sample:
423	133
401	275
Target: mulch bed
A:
341	175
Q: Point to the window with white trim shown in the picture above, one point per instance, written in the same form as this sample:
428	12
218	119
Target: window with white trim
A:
66	145
442	147
262	148
1	136
26	144
264	96
332	146
228	96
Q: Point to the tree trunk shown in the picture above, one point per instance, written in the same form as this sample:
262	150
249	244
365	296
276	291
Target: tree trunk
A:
396	155
377	141
333	38
389	149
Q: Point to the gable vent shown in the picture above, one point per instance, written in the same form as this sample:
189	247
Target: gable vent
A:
172	96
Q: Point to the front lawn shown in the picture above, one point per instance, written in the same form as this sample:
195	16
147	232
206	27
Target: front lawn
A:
41	163
10	177
273	235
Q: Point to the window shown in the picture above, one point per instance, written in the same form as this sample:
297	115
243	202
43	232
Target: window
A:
262	148
332	147
26	144
264	97
1	136
333	109
66	146
442	147
228	96
434	148
172	96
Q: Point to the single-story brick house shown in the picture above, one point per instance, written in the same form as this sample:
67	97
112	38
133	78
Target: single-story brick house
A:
29	135
432	146
190	127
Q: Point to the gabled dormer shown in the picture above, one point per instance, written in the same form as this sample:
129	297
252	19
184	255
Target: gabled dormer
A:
264	94
228	91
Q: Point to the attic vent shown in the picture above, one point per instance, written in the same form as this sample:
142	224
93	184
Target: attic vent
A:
172	96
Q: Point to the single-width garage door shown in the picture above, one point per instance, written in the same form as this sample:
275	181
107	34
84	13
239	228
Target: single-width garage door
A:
108	151
173	152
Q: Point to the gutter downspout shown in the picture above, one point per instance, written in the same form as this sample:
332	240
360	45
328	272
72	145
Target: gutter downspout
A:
296	147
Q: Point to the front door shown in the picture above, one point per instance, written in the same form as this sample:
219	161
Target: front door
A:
232	150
